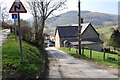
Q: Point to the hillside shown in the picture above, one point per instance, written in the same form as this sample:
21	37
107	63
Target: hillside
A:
99	19
107	31
70	17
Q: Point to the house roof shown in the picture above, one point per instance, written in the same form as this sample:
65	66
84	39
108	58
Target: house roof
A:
72	30
92	40
67	31
83	43
84	26
86	41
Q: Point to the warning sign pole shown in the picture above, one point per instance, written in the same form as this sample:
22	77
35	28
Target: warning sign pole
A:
15	30
20	38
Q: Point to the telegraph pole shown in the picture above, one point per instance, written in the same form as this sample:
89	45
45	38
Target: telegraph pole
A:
79	28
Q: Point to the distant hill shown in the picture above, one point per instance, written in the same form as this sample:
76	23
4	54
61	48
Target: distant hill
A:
71	17
96	18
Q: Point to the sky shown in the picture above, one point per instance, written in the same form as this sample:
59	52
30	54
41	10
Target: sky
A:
104	6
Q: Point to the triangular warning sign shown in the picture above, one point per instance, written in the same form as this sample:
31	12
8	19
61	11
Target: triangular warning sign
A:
17	7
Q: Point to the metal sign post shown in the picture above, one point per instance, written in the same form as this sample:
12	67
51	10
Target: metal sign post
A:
18	7
20	38
15	16
15	29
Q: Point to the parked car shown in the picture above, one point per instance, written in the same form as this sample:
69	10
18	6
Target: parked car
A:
50	44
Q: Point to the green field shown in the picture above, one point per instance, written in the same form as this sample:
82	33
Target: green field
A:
33	59
110	59
106	31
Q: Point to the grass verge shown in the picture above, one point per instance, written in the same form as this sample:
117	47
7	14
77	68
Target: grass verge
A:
33	59
110	59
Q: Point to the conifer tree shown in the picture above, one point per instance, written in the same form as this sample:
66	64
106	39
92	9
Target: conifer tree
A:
115	39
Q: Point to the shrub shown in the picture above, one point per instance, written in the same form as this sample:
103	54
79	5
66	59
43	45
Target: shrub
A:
29	70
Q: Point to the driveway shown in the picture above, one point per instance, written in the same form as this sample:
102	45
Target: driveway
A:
63	65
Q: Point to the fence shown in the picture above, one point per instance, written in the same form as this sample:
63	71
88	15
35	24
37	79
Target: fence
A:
100	57
96	55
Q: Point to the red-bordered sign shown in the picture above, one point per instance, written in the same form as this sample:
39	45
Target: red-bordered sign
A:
17	7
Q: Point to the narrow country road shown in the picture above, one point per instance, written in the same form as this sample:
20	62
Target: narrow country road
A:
3	35
63	65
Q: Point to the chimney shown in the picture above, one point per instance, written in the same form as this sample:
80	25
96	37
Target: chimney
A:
81	20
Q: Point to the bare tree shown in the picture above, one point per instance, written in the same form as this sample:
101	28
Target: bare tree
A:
4	13
41	10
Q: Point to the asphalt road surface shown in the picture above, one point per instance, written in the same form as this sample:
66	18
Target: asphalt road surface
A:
63	65
3	35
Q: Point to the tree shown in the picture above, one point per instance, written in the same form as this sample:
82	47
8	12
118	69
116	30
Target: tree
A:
26	30
119	27
41	10
115	39
119	19
112	29
4	14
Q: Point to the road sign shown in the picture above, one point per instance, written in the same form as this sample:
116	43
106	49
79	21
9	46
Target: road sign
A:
14	16
17	7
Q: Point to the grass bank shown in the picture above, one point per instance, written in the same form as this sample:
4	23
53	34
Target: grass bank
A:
106	31
110	59
33	59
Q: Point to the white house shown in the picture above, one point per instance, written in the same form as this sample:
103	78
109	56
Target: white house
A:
89	36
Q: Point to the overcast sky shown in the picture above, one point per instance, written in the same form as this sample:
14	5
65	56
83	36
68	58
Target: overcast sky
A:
104	6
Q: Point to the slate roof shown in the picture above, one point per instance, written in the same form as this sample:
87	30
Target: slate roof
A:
72	30
67	31
83	43
84	40
84	26
92	40
74	41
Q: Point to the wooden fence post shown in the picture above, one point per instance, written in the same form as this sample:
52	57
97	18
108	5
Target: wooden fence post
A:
104	56
83	51
77	51
90	53
107	55
69	48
